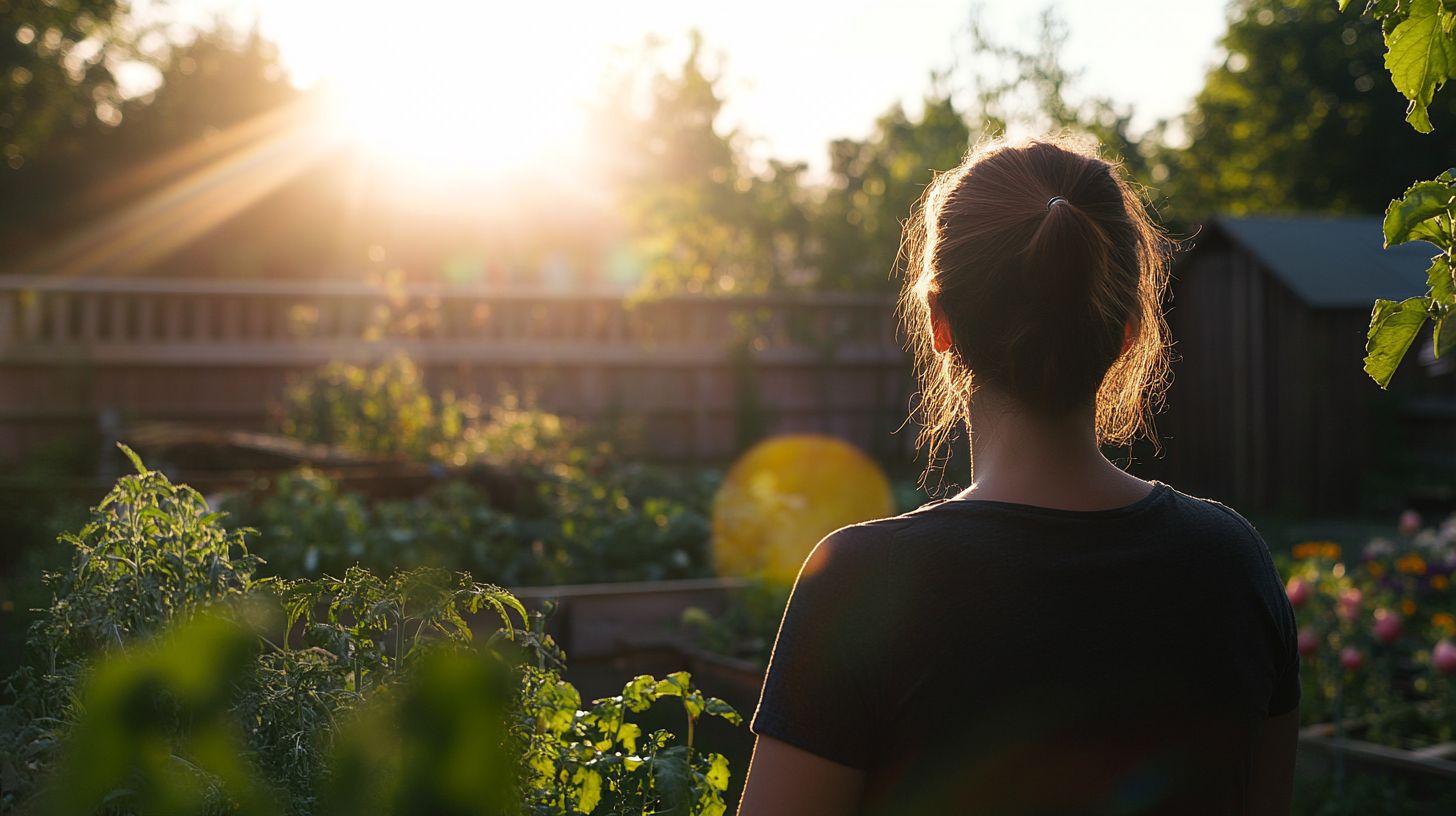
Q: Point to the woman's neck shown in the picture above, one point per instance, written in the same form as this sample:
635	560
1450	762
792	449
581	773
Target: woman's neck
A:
1047	462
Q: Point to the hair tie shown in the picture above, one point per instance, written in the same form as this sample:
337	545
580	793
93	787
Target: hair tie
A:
1055	199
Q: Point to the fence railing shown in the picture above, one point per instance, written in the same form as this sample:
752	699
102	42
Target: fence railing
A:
52	319
220	352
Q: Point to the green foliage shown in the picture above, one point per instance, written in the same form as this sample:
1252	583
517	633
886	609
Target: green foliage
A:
599	760
1393	327
78	150
629	522
167	680
873	185
1421	50
1424	213
1301	89
47	96
701	219
747	628
150	554
1420	38
384	409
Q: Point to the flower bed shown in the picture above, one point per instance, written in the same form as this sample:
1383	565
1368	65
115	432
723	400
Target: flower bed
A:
1376	628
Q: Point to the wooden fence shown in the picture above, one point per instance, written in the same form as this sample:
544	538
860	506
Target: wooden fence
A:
689	373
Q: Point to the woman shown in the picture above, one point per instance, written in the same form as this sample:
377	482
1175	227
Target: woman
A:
1061	637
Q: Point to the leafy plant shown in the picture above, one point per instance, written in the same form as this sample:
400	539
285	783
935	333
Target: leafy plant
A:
747	628
576	525
382	409
1420	39
167	679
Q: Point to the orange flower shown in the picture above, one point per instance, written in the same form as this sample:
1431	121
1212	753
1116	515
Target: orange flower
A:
1440	582
1411	564
1316	549
1444	621
1407	607
1375	568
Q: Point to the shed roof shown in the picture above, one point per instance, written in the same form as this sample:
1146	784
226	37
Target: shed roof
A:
1332	263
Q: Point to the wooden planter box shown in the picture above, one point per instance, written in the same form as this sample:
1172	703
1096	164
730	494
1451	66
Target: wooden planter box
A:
1437	760
734	679
594	621
1429	772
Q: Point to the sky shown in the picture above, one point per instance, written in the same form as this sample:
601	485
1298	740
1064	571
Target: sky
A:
796	74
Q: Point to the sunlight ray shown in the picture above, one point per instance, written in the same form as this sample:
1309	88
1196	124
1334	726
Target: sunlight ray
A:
256	157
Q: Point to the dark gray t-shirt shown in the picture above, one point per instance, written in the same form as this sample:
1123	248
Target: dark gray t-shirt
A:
986	657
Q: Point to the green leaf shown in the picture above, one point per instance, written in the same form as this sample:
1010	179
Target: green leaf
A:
136	461
1393	326
720	708
717	774
672	777
1421	56
1423	202
1438	278
640	692
628	735
1445	333
588	789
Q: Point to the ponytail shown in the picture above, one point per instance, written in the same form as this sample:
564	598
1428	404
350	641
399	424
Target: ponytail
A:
1050	273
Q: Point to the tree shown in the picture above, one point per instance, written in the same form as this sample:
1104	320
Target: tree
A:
1001	88
1297	118
873	185
701	220
56	86
217	80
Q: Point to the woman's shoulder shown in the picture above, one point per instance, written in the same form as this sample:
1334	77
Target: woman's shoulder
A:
855	547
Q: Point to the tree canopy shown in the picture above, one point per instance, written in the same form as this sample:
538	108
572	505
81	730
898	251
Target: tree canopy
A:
1299	116
1298	97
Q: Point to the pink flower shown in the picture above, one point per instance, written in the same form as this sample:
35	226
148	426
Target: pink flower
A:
1349	604
1298	592
1387	626
1444	656
1308	642
1410	523
1352	658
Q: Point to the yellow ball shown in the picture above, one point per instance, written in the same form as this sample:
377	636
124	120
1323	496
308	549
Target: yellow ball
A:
784	495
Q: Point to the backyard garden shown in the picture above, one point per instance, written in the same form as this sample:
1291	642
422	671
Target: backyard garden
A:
548	627
329	484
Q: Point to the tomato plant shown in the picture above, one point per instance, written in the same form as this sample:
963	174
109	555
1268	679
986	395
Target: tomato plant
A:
167	677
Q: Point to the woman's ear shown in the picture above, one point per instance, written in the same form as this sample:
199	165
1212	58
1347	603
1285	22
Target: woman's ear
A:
940	327
1129	334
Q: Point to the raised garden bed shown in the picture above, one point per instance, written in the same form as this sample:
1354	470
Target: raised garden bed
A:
1437	761
1425	777
600	620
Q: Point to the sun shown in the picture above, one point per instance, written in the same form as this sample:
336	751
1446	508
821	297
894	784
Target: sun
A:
455	90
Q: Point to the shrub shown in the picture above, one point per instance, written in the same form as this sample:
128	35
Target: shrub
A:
382	409
632	522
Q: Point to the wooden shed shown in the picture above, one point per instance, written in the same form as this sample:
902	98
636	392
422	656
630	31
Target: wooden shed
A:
1270	408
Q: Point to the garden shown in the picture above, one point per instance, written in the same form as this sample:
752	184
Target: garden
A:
287	620
365	450
582	632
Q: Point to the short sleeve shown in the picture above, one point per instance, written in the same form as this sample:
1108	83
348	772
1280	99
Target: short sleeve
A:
1285	695
1286	682
818	689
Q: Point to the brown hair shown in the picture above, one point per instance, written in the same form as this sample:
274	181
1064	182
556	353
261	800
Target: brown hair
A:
1041	256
